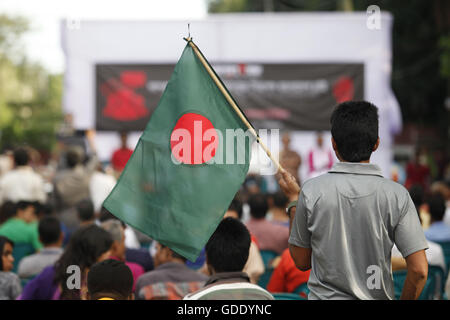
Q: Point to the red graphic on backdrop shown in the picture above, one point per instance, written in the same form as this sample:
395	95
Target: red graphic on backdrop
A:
122	101
343	89
194	139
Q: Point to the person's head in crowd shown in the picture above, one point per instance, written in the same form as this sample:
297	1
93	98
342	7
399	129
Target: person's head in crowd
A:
6	250
252	184
280	200
436	207
228	248
26	211
21	157
164	255
50	234
417	195
85	211
234	209
110	280
73	157
354	130
87	245
442	188
116	230
7	211
258	206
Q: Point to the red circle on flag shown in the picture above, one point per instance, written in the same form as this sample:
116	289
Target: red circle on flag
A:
194	139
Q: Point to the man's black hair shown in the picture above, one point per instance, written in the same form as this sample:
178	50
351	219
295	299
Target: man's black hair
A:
436	204
228	248
85	210
354	127
72	158
49	230
23	204
236	205
280	200
110	278
21	157
258	205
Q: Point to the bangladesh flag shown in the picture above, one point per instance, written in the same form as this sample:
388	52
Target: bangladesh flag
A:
188	164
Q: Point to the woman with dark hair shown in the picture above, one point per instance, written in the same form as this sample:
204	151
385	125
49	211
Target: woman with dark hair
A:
10	287
66	280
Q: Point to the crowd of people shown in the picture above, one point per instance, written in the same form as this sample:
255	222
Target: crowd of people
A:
58	242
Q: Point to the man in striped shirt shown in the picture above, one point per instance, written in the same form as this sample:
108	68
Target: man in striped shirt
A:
226	254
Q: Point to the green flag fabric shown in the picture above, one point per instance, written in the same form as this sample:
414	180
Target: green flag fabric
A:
187	165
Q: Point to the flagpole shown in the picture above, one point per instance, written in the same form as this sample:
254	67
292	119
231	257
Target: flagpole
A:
231	101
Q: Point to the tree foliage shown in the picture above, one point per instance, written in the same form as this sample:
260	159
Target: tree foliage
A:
30	97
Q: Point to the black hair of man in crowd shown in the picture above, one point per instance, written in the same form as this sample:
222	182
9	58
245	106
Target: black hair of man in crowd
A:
228	248
354	128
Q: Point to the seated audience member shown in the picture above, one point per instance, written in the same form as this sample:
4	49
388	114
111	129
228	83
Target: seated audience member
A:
287	277
71	185
116	230
255	264
171	279
269	235
110	280
10	287
22	228
438	230
131	240
278	213
85	211
87	246
22	183
51	237
226	254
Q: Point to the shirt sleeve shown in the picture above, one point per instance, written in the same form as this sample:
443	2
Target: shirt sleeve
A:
408	234
300	235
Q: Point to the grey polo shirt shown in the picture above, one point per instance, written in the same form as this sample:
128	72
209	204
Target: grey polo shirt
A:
351	217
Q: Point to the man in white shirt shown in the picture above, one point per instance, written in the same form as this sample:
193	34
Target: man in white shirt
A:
22	183
320	159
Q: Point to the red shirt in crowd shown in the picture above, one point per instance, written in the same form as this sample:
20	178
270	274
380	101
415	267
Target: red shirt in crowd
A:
286	277
120	158
416	174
